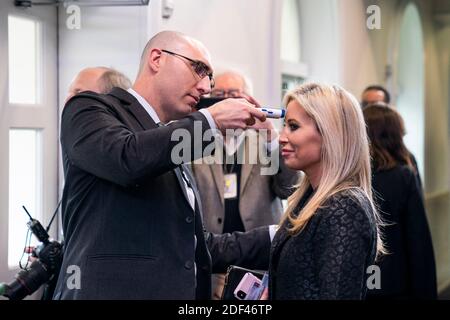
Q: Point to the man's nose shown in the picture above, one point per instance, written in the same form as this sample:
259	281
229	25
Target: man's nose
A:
204	86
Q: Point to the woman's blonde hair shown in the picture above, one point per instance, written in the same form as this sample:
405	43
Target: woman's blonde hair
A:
345	152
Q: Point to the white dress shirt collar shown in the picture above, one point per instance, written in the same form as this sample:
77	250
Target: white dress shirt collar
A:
145	105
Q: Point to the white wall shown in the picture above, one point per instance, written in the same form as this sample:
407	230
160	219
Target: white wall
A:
357	66
239	35
320	36
109	36
437	68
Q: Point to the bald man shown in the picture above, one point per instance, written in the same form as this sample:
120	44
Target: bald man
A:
97	79
131	213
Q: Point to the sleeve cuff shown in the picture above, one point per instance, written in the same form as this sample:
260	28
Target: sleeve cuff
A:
210	119
272	230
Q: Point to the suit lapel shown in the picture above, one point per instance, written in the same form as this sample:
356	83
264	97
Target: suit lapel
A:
144	119
135	108
217	173
247	166
245	175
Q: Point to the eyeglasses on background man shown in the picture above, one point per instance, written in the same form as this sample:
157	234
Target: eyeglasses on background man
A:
230	93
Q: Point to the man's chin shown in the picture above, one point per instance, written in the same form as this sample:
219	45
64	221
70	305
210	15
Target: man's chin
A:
190	108
183	112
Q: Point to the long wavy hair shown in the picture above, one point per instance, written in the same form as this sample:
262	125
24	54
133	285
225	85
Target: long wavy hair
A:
386	129
344	154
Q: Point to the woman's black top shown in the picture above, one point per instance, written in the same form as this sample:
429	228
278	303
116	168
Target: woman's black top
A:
329	258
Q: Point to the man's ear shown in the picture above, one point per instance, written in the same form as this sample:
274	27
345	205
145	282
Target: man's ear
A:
154	59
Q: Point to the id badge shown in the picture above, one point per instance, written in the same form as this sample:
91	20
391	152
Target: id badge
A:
230	188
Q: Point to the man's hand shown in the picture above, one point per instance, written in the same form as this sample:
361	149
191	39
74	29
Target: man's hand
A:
265	294
235	114
251	100
29	251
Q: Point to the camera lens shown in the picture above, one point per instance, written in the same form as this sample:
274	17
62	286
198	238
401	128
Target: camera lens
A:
241	294
27	281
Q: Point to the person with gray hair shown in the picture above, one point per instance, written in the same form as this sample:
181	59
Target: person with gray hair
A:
112	78
99	80
232	84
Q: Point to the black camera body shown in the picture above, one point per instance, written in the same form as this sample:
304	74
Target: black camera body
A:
45	267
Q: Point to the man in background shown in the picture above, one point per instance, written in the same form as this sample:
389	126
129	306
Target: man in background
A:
374	94
99	80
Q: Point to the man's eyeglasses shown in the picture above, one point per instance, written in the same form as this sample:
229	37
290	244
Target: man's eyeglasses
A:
231	93
200	68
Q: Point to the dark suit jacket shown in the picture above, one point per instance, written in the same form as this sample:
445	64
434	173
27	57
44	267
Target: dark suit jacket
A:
127	223
409	270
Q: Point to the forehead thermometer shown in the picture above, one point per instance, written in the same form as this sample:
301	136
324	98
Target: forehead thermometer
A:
274	113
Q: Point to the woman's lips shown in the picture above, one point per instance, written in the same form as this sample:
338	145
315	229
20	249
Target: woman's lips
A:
286	152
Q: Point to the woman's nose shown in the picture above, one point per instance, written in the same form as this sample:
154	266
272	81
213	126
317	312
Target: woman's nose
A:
282	139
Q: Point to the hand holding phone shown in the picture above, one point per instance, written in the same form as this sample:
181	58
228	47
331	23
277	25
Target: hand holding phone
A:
247	286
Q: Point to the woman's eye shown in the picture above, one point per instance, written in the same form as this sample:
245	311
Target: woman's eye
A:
293	126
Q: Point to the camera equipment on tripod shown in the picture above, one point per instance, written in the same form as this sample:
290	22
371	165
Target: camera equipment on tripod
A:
44	268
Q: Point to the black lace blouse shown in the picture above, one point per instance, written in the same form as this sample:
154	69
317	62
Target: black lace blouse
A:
329	258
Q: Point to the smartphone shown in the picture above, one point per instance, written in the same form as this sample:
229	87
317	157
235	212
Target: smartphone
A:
247	286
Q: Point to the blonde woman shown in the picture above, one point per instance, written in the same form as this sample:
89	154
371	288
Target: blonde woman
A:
328	236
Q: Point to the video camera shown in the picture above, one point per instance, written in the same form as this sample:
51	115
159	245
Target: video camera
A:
43	269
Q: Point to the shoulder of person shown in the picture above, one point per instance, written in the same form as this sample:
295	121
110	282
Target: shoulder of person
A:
410	178
87	98
351	202
405	170
346	212
92	101
405	174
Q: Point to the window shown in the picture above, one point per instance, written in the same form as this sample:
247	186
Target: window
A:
28	125
25	187
290	31
293	71
24	57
